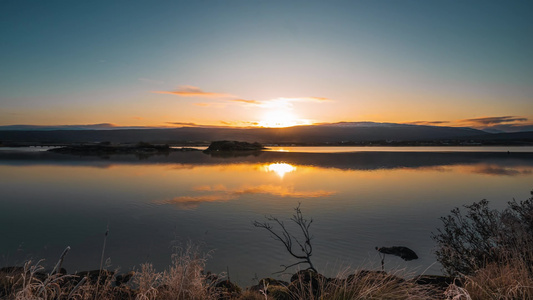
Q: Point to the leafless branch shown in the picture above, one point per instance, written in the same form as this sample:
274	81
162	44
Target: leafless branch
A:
304	250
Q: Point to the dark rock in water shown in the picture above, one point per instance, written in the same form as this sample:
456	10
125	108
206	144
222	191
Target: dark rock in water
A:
233	146
403	252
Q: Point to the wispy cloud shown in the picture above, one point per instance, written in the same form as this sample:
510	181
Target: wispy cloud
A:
312	99
193	91
239	123
183	124
212	104
498	124
254	102
429	122
485	121
489	124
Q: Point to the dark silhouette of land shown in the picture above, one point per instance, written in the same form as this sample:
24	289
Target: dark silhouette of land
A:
363	133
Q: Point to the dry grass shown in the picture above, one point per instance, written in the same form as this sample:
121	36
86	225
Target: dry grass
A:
358	285
508	281
375	285
184	279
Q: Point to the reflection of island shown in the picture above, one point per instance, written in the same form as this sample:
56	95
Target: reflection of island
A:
141	150
499	162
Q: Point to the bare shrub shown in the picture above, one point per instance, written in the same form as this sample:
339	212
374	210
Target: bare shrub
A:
468	242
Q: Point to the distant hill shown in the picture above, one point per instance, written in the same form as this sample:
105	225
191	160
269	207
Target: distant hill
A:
526	135
325	133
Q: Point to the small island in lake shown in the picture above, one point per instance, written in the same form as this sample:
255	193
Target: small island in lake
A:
233	146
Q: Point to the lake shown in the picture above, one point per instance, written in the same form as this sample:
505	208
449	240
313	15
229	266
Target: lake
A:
358	199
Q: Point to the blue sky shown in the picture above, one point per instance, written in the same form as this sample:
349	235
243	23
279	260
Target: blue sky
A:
88	62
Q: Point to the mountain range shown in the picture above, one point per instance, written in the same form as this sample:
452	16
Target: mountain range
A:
343	132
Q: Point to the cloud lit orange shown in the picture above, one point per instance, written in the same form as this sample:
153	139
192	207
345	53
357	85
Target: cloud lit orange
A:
193	91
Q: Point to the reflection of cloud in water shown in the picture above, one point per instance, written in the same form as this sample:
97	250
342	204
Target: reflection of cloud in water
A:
500	171
222	193
486	169
280	191
192	202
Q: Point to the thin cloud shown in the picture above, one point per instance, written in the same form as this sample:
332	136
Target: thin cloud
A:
215	104
486	121
316	99
253	102
182	123
428	122
194	91
239	123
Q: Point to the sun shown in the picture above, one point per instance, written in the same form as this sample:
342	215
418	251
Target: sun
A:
278	119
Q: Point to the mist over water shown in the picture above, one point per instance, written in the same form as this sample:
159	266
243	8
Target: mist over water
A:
358	200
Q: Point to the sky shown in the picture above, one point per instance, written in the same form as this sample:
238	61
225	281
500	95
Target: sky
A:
266	63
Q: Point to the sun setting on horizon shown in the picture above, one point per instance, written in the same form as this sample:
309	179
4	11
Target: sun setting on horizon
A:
279	119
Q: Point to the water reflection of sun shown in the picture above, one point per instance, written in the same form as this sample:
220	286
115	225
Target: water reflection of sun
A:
280	168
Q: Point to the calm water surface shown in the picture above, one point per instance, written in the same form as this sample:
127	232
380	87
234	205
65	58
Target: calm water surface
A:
358	200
